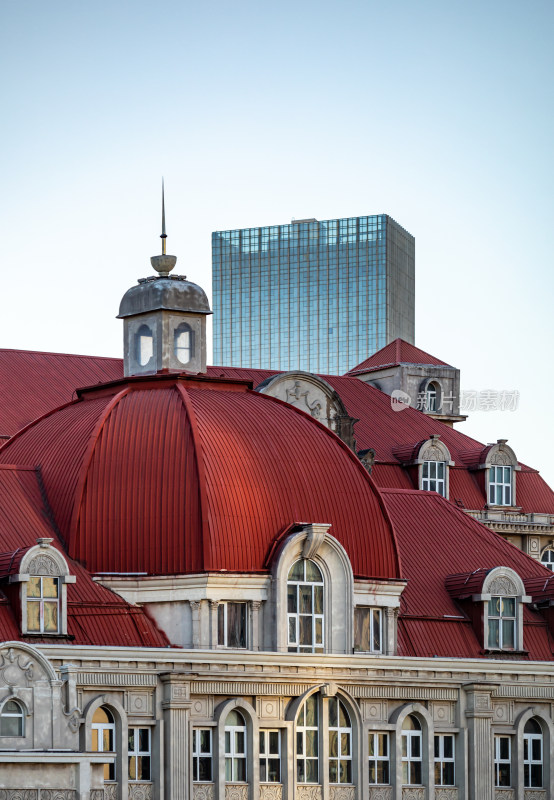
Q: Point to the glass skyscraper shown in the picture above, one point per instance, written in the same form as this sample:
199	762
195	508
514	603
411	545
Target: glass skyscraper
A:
319	296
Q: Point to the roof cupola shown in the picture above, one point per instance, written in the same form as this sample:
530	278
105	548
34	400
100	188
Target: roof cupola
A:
164	320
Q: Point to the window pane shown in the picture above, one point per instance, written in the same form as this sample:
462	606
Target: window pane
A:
448	774
448	746
50	616
239	742
415	772
504	747
312	572
319	631
508	637
361	629
205	741
305	630
311	711
204	769
311	743
383	772
318	599
274	771
509	607
33	587
333	744
297	571
376	629
333	772
50	587
416	747
33	618
274	742
345	744
333	712
311	771
494	640
291	599
345	772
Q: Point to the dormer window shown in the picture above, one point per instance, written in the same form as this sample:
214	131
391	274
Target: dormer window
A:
547	558
433	398
43	577
433	477
43	604
500	486
305	608
502	623
145	345
184	343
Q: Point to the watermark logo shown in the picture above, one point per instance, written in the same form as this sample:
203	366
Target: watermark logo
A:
399	400
470	400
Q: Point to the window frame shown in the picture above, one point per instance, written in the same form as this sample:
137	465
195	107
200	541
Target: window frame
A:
266	755
341	759
549	562
443	761
377	759
41	600
503	485
232	756
110	773
426	480
502	619
183	328
136	752
301	731
294	645
143	332
223	624
528	761
372	611
7	715
409	735
498	761
198	754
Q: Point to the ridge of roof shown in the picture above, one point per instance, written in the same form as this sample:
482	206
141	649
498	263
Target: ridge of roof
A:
399	351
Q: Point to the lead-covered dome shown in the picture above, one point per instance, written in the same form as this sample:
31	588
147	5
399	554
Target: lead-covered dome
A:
174	474
173	293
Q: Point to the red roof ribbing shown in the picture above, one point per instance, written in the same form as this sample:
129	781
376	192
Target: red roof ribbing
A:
122	466
449	542
95	615
396	352
32	383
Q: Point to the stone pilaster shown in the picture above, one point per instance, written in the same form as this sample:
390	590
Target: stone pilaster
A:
479	713
214	605
177	746
255	611
195	609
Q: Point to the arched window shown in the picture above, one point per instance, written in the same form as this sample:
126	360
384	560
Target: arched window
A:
433	398
43	604
103	738
532	755
307	741
411	751
235	748
547	558
183	343
305	608
144	345
340	743
12	719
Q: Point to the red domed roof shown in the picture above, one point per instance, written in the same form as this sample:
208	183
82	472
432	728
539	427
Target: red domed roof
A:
174	474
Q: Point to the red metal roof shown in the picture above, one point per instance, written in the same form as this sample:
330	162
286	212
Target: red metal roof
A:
95	615
396	352
172	474
436	541
32	383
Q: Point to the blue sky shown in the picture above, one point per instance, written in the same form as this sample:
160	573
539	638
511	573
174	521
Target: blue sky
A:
439	114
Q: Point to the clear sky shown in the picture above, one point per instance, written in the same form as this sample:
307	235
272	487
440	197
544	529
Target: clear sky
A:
437	113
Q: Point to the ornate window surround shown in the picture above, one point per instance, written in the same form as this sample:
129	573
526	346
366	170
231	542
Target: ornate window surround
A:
248	713
501	455
121	739
44	560
314	542
434	450
503	582
427	739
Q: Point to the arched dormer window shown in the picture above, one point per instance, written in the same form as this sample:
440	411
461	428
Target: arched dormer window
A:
44	575
305	608
12	719
430	398
501	467
144	345
183	343
433	464
503	593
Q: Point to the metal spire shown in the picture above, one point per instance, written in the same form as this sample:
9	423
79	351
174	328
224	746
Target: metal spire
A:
163	237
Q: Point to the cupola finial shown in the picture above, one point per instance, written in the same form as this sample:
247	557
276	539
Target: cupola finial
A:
163	264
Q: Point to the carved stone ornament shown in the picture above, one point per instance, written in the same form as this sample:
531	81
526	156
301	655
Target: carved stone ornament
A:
500	459
203	791
413	793
73	719
534	794
433	453
380	793
504	794
19	794
502	586
140	791
305	792
58	794
238	791
342	793
43	565
446	794
111	791
16	668
271	791
97	794
296	397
